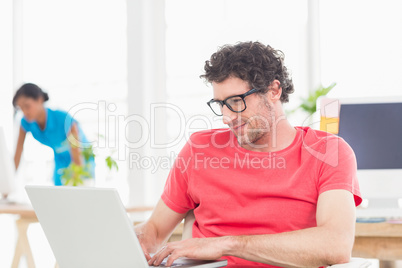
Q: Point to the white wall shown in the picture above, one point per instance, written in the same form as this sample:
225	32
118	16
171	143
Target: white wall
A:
361	47
6	77
76	51
195	30
146	86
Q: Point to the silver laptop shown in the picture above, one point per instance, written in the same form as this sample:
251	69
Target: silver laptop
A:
89	228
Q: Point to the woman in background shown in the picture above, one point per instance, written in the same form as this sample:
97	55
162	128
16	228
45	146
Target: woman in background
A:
54	128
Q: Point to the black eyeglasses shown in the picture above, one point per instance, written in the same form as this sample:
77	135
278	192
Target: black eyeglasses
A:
235	103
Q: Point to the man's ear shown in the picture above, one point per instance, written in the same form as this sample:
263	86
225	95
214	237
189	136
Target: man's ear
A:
275	91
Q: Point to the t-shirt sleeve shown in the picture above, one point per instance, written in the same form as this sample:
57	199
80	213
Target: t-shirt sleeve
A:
176	192
338	169
25	125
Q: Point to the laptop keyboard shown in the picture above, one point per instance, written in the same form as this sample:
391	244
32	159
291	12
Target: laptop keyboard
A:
163	265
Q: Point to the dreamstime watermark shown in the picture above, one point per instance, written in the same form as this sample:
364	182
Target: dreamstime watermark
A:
155	163
137	131
134	131
129	133
202	161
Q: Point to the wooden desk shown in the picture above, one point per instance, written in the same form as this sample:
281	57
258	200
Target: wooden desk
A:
23	210
26	217
378	240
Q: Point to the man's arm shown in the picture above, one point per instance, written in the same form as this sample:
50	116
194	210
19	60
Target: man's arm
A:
329	243
157	229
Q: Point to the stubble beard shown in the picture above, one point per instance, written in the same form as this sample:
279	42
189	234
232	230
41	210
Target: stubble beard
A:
257	128
254	131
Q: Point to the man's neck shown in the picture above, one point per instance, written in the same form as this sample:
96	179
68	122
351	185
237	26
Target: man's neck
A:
280	137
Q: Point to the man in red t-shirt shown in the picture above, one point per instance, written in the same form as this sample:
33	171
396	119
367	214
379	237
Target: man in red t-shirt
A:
264	193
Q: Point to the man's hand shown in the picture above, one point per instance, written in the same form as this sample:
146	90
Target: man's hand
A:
156	230
195	248
144	242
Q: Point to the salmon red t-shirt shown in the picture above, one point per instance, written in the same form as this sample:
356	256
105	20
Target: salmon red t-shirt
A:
234	191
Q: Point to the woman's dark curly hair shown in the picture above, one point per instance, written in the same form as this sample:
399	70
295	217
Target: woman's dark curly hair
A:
253	62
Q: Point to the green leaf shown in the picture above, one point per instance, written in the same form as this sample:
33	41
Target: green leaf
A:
74	174
309	104
88	153
110	162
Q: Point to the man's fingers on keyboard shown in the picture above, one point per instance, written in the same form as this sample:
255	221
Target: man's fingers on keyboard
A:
171	259
160	255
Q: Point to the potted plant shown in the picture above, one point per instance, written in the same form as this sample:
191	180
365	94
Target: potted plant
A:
77	175
309	104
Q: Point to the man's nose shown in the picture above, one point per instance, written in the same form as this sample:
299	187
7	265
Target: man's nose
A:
228	116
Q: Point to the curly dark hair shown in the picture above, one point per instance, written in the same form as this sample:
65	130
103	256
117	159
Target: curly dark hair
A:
253	62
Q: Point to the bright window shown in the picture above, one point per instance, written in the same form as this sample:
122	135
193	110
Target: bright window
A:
195	29
76	51
361	47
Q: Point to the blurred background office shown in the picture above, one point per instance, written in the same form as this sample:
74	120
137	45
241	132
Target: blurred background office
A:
128	70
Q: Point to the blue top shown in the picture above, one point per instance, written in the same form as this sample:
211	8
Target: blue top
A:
58	126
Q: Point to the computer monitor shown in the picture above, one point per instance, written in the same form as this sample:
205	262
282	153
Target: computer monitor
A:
373	128
7	168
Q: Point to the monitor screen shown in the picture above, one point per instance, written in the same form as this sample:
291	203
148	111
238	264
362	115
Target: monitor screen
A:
374	131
